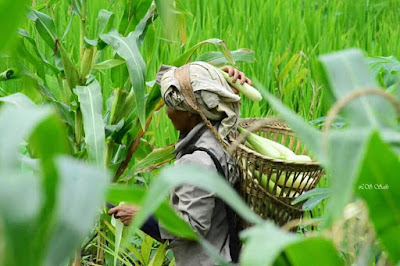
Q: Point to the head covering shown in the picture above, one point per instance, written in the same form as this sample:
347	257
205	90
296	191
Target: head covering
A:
213	94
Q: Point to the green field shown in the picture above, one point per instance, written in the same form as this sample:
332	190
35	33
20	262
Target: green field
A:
275	30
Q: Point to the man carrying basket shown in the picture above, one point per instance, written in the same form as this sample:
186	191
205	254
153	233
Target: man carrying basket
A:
204	108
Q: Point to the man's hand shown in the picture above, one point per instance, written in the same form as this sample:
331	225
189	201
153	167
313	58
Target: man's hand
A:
124	212
235	74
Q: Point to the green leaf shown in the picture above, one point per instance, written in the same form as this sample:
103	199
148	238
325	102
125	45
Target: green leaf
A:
91	104
109	64
379	185
105	20
45	26
171	18
159	257
164	213
153	160
67	30
311	193
13	10
8	74
41	125
304	253
127	48
18	214
219	44
133	12
19	100
145	248
34	46
70	70
50	129
258	251
312	198
16	124
76	212
218	58
119	227
347	71
141	27
345	150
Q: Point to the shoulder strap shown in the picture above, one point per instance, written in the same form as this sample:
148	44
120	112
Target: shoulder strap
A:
193	148
234	242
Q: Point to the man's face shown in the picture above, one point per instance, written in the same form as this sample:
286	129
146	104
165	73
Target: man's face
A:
182	121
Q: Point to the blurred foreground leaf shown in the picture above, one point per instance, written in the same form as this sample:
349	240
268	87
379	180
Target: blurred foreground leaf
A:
265	242
79	198
380	166
11	14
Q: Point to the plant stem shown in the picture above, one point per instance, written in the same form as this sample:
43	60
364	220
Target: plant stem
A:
109	151
83	26
78	128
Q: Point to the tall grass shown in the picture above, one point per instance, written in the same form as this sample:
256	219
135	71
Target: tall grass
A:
276	30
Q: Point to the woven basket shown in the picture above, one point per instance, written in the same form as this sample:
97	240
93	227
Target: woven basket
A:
264	200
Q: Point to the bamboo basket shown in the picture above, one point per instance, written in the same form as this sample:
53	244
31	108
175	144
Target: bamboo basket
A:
263	200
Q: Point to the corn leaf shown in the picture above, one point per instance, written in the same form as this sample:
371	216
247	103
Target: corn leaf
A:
132	14
159	257
218	58
70	70
41	125
17	123
45	26
14	10
154	159
33	43
18	100
378	169
105	20
19	213
76	178
347	71
145	248
8	74
127	48
170	18
109	64
119	227
299	251
91	103
219	44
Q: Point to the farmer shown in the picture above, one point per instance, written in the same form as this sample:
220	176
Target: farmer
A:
207	214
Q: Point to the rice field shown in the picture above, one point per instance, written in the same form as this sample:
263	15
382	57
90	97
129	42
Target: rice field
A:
276	31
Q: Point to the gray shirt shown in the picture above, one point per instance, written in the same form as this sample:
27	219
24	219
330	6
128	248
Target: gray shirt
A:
201	209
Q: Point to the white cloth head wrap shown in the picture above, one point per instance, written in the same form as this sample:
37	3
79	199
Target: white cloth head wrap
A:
213	94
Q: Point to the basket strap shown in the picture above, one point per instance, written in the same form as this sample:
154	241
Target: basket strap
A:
231	215
182	74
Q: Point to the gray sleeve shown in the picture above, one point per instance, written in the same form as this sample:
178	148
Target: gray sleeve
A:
194	205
